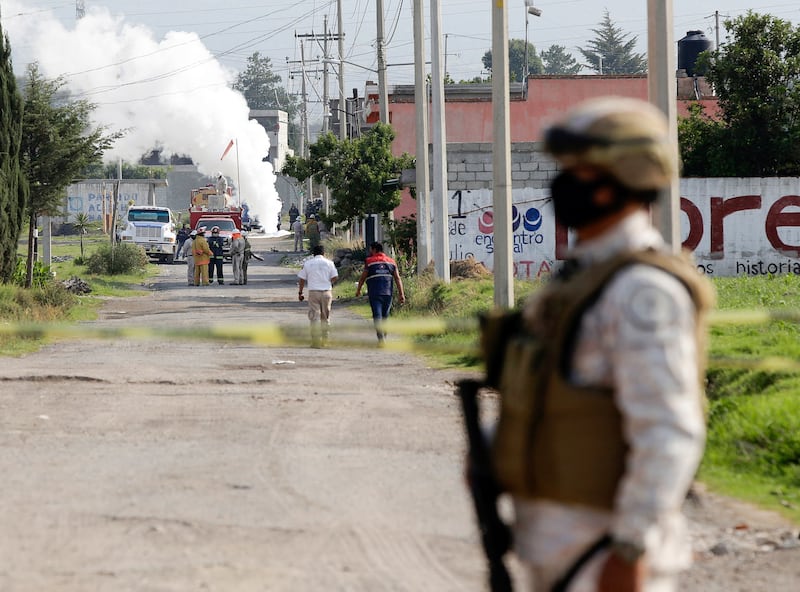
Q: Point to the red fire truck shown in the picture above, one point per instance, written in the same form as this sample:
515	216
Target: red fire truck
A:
210	209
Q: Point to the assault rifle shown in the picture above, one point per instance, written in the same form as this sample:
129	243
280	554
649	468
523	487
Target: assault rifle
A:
495	534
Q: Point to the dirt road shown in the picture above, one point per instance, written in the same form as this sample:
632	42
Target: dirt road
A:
154	465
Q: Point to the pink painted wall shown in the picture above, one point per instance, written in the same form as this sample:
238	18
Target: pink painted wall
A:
470	120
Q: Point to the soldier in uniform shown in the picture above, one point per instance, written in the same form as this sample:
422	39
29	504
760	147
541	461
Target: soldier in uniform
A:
602	419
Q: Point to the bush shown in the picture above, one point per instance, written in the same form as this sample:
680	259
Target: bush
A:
41	273
55	295
120	259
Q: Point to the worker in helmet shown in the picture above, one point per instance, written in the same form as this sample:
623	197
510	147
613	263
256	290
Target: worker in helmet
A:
601	425
217	245
201	257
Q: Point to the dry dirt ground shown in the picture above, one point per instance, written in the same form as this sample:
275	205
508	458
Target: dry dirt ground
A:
187	465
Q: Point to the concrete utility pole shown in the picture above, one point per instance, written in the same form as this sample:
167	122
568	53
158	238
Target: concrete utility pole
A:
421	101
304	127
661	86
383	91
441	238
342	103
501	160
326	108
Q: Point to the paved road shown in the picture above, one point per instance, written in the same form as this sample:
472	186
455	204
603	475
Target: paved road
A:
188	465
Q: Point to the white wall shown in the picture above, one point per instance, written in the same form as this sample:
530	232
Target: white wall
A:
734	226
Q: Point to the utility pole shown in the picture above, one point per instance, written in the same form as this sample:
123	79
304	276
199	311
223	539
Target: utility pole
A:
440	230
383	91
305	132
501	160
326	108
661	90
421	101
342	103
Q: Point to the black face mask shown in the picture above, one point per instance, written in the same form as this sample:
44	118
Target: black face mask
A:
573	199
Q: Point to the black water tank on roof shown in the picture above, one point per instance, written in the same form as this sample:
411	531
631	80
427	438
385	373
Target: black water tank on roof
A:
689	48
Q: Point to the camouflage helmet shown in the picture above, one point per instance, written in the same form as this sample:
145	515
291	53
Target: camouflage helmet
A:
627	137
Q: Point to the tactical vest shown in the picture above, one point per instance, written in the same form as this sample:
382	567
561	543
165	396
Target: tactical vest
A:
556	440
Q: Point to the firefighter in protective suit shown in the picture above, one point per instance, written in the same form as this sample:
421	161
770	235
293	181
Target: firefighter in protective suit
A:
602	421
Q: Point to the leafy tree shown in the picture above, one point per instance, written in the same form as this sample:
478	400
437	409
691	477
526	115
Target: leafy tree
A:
262	89
13	188
556	60
355	171
756	76
516	60
58	141
701	140
610	47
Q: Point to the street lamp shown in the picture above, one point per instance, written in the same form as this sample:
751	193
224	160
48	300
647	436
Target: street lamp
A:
529	9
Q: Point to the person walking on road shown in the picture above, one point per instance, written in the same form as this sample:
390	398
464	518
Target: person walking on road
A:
187	253
217	245
237	258
202	255
319	274
312	231
601	423
297	228
381	275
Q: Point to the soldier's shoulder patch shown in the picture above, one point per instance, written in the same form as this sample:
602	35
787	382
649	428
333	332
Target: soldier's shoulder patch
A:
650	307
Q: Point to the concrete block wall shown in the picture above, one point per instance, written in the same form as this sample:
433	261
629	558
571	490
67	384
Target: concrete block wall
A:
469	166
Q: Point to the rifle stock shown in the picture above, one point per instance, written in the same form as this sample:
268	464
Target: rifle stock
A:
495	534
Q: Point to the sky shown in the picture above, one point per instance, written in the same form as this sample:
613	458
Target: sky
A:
162	69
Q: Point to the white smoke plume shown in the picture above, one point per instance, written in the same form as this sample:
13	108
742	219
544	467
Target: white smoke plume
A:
170	93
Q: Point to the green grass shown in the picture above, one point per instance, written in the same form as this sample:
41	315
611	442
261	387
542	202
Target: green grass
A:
753	447
36	305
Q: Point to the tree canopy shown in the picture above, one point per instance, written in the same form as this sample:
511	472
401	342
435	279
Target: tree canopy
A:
13	189
557	60
262	89
611	51
58	142
355	171
755	74
516	60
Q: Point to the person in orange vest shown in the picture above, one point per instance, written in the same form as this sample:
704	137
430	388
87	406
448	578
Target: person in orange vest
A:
202	256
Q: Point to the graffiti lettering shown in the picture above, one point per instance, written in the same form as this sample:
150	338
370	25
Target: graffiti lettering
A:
457	228
522	269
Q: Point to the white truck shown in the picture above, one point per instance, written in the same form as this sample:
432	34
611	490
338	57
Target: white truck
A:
153	229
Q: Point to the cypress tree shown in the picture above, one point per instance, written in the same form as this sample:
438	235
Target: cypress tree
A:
13	186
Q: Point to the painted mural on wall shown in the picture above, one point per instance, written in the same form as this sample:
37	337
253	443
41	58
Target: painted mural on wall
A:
733	226
89	198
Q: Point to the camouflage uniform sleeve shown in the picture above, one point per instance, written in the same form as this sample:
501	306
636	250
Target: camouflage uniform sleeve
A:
650	334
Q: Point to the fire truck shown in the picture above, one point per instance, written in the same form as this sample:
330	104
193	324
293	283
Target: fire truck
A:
210	209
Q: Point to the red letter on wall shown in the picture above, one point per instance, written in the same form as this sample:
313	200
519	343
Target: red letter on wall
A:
695	224
777	218
720	208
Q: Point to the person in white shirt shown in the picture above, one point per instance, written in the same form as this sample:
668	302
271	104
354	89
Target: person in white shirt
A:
319	274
